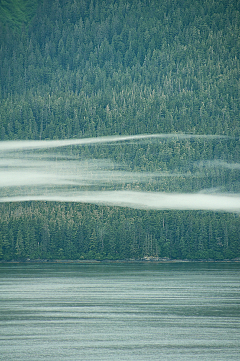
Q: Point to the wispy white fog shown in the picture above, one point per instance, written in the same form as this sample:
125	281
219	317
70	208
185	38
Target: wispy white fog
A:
143	200
27	174
44	144
219	164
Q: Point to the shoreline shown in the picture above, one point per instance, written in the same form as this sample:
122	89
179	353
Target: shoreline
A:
146	260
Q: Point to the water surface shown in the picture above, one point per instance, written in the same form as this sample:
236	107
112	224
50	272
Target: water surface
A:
173	311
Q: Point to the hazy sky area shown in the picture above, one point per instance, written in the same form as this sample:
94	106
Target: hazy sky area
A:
26	174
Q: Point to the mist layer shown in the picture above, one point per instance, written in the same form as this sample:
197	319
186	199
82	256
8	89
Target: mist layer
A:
29	175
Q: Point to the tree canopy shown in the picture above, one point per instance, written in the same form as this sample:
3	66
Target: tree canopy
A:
79	68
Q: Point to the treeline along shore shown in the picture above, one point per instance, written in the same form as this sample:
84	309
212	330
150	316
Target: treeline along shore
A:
41	230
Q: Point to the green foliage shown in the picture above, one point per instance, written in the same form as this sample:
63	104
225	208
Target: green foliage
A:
82	69
16	13
87	68
77	231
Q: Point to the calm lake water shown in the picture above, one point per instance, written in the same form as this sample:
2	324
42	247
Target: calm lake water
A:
173	311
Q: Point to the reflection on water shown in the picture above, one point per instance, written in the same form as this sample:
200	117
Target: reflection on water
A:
174	311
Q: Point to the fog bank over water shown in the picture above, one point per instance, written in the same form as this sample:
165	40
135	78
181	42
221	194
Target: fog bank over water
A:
35	170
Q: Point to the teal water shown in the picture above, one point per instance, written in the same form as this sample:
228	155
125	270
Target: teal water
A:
174	311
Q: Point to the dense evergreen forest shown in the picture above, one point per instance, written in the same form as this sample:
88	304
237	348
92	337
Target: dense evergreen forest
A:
81	68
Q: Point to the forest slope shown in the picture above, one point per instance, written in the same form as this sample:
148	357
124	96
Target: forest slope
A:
91	68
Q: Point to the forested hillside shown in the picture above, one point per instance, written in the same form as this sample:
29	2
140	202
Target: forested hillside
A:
81	68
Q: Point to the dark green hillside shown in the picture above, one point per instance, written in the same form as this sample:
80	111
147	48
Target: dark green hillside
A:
114	67
71	231
81	68
17	13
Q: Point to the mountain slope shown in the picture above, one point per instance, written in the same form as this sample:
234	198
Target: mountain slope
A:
16	13
91	68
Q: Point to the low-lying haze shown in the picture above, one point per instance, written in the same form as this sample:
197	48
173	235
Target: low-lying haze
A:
33	170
